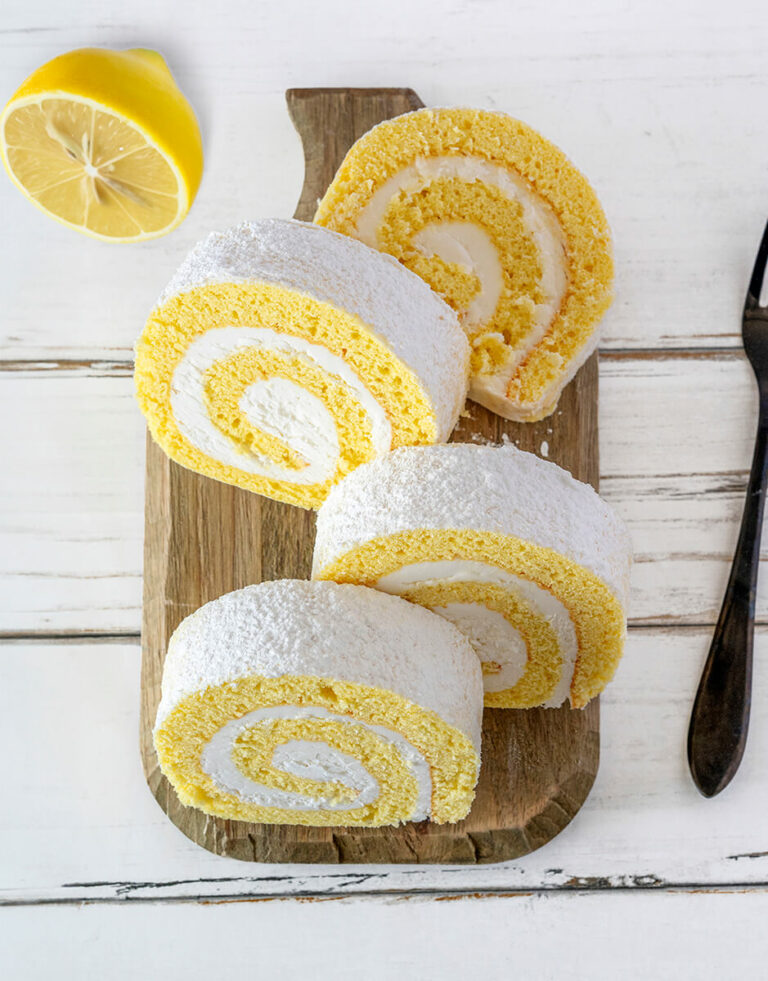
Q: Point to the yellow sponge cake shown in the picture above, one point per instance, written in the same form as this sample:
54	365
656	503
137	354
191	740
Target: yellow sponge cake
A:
529	563
503	226
311	703
281	356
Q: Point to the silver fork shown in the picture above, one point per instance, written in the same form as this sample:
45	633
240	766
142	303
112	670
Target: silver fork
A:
720	719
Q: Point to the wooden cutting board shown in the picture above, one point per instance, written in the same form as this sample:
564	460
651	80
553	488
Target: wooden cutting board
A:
204	538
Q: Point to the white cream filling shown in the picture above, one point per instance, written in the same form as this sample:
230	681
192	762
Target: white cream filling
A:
301	420
283	408
453	241
313	760
490	632
466	570
471	247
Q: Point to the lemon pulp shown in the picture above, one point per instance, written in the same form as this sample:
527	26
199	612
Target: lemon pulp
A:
99	167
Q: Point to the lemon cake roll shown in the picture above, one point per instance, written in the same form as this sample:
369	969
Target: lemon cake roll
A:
529	563
314	703
500	223
282	355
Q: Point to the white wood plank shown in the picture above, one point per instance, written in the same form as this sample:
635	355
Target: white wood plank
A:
80	824
71	493
675	444
550	936
657	109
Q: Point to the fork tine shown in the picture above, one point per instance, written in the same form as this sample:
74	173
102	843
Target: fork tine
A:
758	273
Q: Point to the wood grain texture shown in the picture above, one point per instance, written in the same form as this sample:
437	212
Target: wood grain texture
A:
70	548
204	538
668	937
92	832
656	106
650	115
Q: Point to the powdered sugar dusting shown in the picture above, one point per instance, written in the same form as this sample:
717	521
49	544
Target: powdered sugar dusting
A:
395	304
344	632
482	488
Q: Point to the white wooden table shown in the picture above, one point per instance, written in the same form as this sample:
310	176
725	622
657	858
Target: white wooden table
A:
663	105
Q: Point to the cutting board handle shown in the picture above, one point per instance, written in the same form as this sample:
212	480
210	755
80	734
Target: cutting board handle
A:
329	121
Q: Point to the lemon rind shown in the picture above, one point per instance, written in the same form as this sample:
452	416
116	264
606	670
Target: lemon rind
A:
38	97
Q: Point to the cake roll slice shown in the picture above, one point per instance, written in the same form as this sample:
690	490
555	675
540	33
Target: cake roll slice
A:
282	355
503	226
529	563
312	703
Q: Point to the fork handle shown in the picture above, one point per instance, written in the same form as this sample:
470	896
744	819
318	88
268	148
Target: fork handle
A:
720	718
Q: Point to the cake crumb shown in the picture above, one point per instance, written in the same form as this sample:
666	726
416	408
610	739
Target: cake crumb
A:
479	438
544	448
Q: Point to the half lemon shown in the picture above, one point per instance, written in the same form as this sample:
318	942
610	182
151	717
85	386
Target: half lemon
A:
105	142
